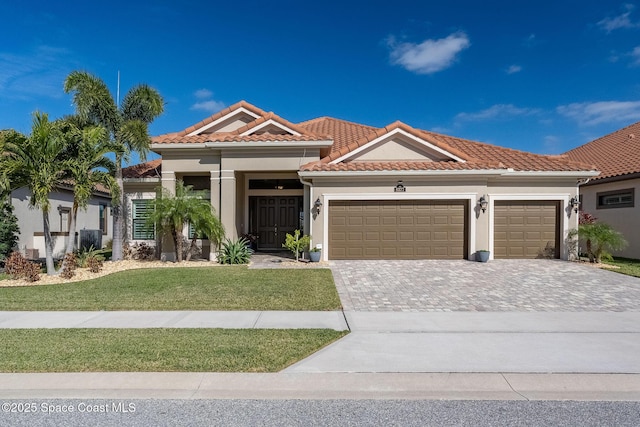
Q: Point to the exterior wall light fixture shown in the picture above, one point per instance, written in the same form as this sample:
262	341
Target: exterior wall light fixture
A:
483	203
575	203
317	204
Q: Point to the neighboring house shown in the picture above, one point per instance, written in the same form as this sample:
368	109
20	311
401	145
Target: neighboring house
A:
363	192
97	216
611	196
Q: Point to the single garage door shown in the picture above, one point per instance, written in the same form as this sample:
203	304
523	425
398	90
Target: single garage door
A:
392	229
526	229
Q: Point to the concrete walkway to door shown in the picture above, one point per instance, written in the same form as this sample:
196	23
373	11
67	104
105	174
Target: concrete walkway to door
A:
499	285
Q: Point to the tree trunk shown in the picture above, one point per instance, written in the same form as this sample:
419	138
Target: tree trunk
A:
118	215
589	251
48	244
191	248
72	232
179	245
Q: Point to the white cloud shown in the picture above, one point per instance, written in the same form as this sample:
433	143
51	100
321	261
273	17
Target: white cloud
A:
496	112
431	55
203	94
595	113
37	73
618	22
208	106
512	69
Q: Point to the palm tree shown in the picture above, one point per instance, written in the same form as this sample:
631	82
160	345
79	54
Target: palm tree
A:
88	166
37	162
172	213
600	238
127	125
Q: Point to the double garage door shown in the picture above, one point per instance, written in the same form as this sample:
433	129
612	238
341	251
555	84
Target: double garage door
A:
438	229
397	229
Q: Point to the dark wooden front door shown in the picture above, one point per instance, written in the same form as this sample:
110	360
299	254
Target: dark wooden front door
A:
276	216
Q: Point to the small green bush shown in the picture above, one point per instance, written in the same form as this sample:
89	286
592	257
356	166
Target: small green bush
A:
237	252
296	244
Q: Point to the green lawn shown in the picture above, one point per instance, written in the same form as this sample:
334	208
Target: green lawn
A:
3	276
158	350
630	267
195	288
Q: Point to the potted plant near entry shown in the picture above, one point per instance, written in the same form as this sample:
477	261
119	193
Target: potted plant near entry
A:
315	254
482	255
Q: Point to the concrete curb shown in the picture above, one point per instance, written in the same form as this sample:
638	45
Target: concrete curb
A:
174	319
419	386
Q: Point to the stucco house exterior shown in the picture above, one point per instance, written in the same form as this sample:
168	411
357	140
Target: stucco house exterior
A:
97	216
363	192
611	196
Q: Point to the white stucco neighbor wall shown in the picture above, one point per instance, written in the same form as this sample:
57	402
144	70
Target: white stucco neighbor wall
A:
31	223
626	220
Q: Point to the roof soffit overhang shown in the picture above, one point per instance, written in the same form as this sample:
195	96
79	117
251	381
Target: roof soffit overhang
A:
420	142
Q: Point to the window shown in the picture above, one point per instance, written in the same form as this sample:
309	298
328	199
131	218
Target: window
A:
65	218
616	199
103	219
140	229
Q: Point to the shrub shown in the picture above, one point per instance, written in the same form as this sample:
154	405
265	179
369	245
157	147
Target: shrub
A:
94	264
9	230
296	244
140	251
69	266
17	267
600	239
237	252
84	255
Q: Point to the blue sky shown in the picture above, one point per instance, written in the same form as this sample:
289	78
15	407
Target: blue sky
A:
542	76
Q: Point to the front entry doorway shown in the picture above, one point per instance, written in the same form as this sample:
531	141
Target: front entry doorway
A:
272	217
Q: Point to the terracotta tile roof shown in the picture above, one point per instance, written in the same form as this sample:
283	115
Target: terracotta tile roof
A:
396	166
182	137
349	136
222	113
615	155
99	188
151	169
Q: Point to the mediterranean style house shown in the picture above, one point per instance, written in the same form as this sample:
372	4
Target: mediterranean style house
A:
363	192
611	196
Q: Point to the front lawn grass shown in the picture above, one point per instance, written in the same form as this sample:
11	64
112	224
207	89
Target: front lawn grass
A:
628	266
158	350
194	288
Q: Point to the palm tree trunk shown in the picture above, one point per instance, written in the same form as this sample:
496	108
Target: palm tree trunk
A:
192	247
48	243
118	214
72	232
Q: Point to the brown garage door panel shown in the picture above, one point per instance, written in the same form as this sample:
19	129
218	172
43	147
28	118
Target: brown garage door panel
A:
389	229
526	229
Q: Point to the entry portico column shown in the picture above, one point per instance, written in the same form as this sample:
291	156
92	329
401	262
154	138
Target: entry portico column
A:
228	202
167	250
215	204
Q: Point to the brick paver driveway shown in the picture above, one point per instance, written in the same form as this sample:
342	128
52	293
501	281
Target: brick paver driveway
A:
499	285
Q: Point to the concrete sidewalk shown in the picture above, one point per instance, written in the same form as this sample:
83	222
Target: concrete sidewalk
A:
582	342
450	386
174	319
